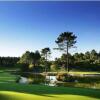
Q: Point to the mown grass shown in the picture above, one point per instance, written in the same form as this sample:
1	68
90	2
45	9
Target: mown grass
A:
7	77
14	91
84	72
5	95
73	72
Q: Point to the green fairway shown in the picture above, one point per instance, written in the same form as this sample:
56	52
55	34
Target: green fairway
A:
6	77
12	91
28	92
5	95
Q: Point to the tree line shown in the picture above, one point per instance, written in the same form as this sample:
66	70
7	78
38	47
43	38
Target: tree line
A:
88	61
35	61
39	60
8	61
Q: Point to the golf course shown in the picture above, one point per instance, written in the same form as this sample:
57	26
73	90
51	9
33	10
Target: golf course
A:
14	91
9	90
49	50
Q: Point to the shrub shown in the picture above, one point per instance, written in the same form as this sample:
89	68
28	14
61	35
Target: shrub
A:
24	67
66	84
36	78
54	67
88	79
81	79
65	77
17	79
73	84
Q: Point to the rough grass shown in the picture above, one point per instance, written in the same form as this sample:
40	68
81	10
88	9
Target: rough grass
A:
32	92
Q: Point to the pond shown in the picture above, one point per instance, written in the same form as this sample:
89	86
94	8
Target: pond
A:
51	80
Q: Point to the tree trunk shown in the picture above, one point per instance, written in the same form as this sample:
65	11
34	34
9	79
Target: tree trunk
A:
46	64
67	59
45	69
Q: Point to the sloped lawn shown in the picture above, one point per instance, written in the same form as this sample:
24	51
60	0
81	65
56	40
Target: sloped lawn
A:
14	91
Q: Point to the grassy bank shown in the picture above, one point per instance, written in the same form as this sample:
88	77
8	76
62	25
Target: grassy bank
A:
19	91
7	76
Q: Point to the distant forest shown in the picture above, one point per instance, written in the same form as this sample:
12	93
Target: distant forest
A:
8	61
88	61
39	60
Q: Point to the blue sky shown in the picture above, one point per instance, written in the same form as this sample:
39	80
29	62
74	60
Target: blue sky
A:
35	25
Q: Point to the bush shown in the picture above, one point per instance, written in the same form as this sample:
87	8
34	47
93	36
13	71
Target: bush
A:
24	67
17	79
86	66
84	85
36	78
65	77
54	67
66	84
88	79
81	79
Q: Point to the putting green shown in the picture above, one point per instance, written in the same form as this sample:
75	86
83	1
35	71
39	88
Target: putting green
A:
6	95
